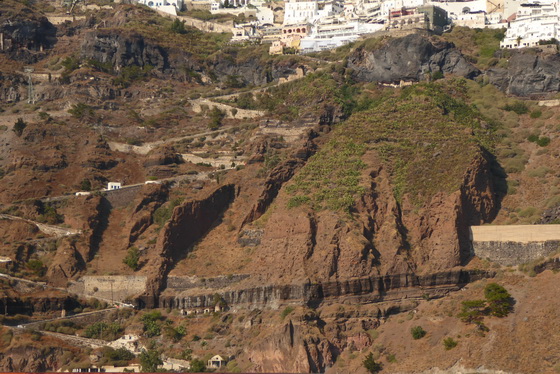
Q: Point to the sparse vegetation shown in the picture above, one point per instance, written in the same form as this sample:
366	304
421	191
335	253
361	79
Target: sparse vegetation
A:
286	312
449	343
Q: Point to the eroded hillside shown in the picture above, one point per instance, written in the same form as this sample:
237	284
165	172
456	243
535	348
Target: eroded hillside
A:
302	211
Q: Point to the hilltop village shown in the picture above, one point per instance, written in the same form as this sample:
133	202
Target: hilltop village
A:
299	26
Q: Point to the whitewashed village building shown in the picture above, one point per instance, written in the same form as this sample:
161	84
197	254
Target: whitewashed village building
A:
533	22
167	6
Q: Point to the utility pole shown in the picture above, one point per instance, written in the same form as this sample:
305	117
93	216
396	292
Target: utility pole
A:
30	88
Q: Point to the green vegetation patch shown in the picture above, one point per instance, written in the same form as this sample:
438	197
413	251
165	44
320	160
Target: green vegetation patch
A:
426	137
479	45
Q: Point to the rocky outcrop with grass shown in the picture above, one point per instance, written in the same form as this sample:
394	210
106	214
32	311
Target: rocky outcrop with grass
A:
26	33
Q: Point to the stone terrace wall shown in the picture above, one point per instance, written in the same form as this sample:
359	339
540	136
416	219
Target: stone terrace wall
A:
515	244
110	287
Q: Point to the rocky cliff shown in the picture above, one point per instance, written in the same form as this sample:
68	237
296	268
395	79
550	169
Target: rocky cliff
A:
122	47
528	73
412	58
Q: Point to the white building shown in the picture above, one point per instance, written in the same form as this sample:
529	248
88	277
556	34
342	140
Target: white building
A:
534	22
265	15
456	8
114	186
389	5
167	6
329	36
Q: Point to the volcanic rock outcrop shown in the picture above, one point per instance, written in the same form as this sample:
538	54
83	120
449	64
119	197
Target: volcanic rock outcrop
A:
528	74
412	58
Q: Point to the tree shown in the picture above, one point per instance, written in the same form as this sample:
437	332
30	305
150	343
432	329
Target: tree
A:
132	258
150	360
500	302
178	27
370	364
19	126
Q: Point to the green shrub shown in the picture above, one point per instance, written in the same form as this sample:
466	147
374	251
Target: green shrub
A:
81	111
543	141
417	332
371	365
103	330
132	259
533	138
518	107
536	113
19	126
449	343
85	185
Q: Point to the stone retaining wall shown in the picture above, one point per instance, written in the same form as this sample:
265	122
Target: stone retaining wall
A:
124	196
515	244
109	287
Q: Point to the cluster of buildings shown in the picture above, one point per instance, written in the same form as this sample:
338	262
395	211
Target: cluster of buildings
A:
302	26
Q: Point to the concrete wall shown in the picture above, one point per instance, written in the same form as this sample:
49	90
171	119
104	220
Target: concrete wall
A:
515	244
109	287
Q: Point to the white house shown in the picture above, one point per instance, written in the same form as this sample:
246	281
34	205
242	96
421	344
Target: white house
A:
167	6
114	186
216	362
265	15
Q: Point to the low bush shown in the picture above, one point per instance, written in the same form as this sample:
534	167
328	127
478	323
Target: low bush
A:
417	332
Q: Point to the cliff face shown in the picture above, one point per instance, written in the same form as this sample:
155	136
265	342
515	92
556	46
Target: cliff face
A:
124	48
120	50
386	238
361	290
188	223
26	35
528	74
412	58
